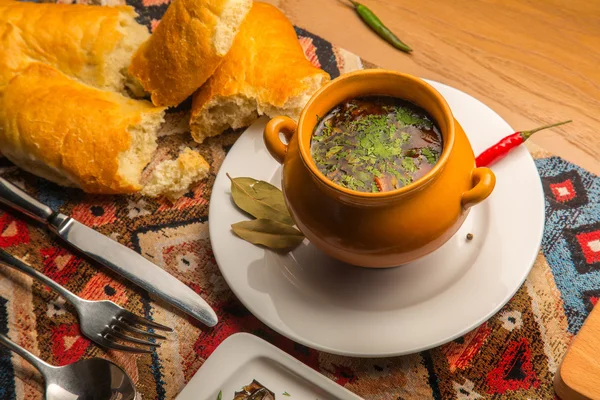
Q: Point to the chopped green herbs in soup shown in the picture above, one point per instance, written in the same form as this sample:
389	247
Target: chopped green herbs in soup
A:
376	144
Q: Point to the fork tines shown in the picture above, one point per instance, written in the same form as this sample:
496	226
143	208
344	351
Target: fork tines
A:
128	323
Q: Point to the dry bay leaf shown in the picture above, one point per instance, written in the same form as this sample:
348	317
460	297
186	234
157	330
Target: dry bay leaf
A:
269	233
260	199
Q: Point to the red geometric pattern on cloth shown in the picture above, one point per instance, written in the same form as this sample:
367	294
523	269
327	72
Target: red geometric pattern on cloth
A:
103	287
590	245
98	213
310	50
68	345
590	298
191	199
12	231
153	24
515	370
237	319
563	191
59	264
149	3
584	244
342	375
460	352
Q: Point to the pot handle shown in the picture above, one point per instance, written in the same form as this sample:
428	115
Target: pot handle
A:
483	180
276	147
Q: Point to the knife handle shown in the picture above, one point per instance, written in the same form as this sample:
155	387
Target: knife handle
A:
14	197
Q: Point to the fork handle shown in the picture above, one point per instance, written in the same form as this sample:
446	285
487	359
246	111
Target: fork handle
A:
41	365
11	261
14	197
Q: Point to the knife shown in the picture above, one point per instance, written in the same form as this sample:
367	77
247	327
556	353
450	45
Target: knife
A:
111	254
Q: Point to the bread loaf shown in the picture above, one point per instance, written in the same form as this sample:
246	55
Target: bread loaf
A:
187	46
265	72
76	135
92	44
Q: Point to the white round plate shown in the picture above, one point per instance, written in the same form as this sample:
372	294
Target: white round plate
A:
327	305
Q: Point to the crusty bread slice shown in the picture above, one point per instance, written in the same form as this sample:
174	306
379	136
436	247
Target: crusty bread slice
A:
92	44
186	47
265	72
76	135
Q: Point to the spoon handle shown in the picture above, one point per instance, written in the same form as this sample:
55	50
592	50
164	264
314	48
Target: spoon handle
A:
41	366
10	261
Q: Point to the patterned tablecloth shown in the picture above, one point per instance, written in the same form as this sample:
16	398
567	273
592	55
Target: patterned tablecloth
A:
513	355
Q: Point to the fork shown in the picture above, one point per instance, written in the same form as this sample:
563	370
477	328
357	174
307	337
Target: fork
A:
103	322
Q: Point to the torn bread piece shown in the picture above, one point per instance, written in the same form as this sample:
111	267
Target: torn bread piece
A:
265	72
186	47
74	134
80	136
92	44
173	178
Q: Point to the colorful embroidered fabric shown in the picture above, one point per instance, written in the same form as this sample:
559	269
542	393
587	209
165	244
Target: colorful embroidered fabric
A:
513	355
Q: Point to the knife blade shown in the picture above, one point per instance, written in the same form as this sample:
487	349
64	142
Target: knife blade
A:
115	256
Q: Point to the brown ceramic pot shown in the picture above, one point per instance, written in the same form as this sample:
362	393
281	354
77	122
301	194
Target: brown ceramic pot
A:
378	229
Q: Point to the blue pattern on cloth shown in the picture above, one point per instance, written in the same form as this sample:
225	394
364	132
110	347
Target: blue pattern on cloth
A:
555	246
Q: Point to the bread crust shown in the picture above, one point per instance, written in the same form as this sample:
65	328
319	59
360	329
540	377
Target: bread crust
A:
76	39
180	55
68	132
266	63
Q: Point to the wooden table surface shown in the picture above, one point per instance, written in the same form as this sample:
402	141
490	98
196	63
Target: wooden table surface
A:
533	61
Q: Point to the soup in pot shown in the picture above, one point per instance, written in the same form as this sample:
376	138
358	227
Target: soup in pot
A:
376	143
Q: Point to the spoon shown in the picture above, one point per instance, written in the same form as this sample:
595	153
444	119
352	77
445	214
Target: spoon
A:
91	379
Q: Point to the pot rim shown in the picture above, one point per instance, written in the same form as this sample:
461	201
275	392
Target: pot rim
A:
307	158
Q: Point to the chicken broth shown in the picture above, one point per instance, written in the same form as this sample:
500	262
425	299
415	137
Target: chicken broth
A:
376	143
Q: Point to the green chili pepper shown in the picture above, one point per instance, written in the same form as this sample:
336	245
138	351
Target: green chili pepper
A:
378	26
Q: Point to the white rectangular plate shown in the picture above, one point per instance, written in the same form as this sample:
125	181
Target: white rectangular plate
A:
242	358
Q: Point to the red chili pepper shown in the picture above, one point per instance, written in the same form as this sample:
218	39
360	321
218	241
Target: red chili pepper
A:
379	184
504	146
